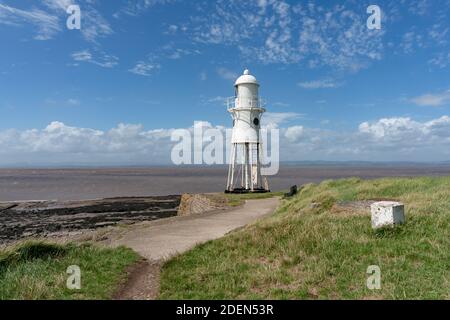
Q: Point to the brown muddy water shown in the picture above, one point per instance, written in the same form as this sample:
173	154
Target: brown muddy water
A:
83	184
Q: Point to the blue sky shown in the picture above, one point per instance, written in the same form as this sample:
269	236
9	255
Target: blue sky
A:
112	91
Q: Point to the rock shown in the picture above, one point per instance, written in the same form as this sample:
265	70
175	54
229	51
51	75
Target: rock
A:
387	214
314	205
293	191
44	218
7	206
199	203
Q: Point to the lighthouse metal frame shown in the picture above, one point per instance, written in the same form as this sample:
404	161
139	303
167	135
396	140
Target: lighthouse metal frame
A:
246	109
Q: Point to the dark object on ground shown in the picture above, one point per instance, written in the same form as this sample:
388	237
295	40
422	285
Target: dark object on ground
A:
243	190
292	192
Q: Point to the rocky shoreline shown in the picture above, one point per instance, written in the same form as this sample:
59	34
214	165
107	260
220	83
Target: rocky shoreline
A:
40	219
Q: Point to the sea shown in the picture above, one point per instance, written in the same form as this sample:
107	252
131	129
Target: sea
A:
17	184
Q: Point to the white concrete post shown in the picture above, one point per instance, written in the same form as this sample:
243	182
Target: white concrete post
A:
387	214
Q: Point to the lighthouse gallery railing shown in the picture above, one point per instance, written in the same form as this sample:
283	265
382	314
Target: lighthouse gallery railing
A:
252	103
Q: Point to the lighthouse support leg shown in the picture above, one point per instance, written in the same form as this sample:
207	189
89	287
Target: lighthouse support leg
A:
258	163
230	169
246	167
233	162
242	166
250	147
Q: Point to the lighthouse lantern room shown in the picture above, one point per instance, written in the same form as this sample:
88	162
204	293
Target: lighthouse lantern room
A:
246	109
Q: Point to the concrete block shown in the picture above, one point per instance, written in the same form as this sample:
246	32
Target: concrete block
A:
387	213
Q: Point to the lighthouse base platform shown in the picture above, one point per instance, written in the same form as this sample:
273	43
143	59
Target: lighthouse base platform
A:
243	190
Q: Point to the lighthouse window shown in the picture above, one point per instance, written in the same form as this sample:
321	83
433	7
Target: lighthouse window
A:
256	122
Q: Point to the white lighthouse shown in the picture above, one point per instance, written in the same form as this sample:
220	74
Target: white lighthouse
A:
246	108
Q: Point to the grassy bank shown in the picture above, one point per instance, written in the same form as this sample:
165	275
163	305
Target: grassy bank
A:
235	200
314	248
37	270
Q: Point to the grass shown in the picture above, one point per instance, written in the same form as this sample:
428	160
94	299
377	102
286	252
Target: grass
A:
37	270
235	200
310	250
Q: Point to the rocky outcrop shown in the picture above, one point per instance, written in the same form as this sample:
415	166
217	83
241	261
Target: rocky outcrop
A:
52	218
200	203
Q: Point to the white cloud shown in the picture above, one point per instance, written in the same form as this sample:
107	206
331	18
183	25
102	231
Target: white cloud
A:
407	134
319	84
439	34
294	134
392	128
388	139
278	32
63	143
152	61
172	29
73	102
385	139
226	74
410	41
46	24
275	119
433	100
217	100
57	102
441	60
84	55
103	60
280	104
50	19
418	7
93	24
136	7
58	4
143	68
178	53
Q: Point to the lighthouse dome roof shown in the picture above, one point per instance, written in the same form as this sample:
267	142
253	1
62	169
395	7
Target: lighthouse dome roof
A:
246	78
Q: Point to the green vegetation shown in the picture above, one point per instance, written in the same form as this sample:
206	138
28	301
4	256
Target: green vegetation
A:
37	270
313	247
235	200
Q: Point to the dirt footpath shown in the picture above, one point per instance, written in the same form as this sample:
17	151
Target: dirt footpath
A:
159	240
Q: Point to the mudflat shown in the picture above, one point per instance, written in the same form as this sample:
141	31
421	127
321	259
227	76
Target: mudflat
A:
64	218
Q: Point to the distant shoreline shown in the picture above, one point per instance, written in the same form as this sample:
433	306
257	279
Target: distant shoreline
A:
312	163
